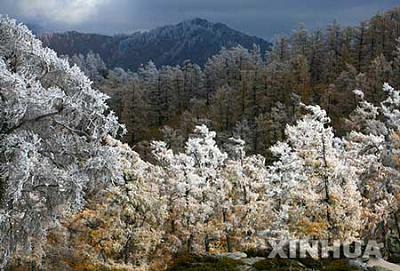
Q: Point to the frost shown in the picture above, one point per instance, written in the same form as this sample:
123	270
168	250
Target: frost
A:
52	139
359	93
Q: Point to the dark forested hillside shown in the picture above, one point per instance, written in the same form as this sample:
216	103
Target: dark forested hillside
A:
239	93
195	39
70	43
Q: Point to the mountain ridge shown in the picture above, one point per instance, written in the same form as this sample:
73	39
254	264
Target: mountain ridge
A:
196	39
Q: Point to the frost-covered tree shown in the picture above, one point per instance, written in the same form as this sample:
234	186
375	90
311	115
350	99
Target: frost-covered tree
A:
314	186
92	65
119	228
54	134
247	209
363	152
192	185
212	198
375	134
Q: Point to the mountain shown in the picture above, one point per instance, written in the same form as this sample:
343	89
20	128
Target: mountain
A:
196	39
70	43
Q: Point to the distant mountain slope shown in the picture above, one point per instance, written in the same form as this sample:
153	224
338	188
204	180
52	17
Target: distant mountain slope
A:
70	43
195	39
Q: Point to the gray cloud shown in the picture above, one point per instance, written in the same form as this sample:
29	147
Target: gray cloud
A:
264	18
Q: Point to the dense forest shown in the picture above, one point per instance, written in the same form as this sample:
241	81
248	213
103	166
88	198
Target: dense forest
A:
253	94
299	142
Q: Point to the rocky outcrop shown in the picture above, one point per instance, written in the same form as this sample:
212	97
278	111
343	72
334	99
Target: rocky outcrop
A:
240	262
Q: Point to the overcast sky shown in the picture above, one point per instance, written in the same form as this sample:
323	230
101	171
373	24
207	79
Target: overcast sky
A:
263	18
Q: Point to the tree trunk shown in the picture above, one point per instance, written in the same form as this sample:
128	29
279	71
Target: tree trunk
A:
227	234
326	187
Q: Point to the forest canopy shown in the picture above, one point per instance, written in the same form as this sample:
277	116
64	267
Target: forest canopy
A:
300	143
